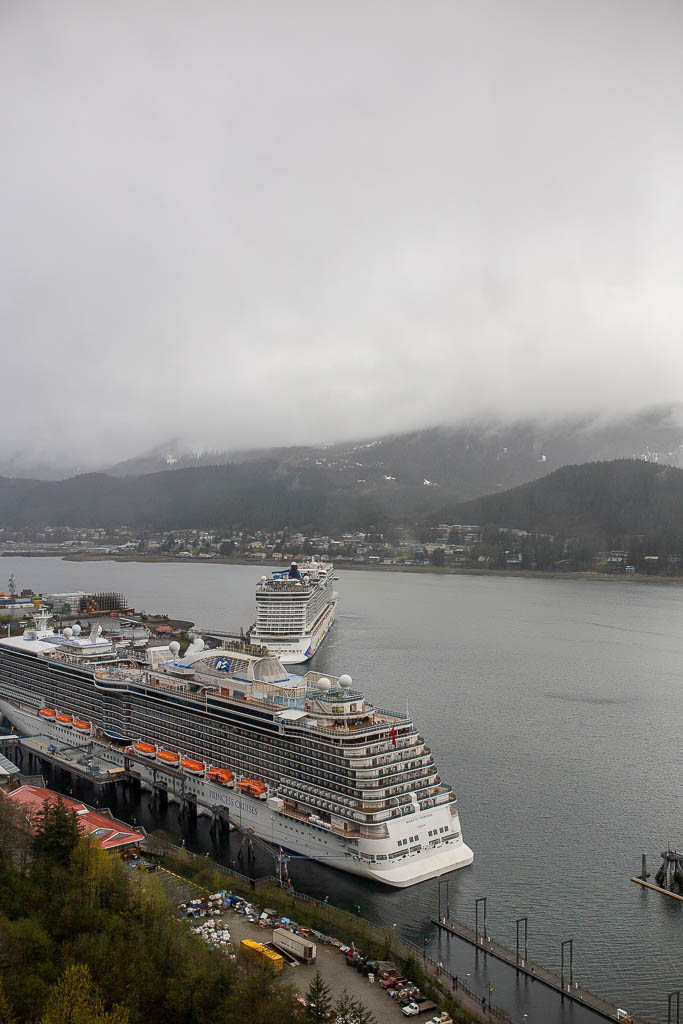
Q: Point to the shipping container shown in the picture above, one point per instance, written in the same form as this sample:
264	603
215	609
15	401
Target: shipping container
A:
296	945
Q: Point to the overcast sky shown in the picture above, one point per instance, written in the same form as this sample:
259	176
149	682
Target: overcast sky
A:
244	223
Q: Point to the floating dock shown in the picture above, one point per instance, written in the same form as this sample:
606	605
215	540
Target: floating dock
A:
533	970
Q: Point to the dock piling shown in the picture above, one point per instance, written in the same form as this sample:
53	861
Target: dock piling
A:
480	899
526	938
570	943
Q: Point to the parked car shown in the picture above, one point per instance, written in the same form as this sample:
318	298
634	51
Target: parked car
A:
410	1010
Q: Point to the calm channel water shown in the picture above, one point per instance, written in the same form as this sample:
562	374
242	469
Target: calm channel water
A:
554	708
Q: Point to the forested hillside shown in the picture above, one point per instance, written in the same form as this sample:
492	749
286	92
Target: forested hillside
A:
82	941
610	500
607	499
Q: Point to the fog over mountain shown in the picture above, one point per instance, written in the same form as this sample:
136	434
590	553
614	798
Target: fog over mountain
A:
248	226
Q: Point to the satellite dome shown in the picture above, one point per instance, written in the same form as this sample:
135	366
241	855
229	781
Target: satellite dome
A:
68	632
345	681
174	647
324	684
199	644
293	565
76	630
263	579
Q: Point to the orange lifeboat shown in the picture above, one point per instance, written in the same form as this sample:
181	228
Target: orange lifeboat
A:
67	720
47	712
193	767
146	749
168	757
221	775
253	787
81	726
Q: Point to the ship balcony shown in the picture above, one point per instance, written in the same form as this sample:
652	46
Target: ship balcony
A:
401	784
352	831
386	746
392	767
354	810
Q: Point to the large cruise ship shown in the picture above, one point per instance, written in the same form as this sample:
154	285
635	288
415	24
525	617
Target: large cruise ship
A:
295	609
306	762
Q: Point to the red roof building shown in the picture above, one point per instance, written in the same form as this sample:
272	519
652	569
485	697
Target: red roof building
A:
107	833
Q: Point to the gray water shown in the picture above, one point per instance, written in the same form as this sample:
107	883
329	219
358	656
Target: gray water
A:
554	708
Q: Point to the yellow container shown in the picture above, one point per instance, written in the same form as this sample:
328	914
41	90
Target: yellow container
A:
261	955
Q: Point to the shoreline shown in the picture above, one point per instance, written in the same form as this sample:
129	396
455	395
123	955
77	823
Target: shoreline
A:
361	567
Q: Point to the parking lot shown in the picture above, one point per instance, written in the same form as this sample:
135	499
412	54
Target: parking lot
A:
331	964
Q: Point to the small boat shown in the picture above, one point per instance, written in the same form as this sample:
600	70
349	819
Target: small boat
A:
81	725
193	767
253	787
67	720
221	776
47	712
117	737
168	757
145	749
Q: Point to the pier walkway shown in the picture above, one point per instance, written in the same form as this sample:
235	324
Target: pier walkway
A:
533	970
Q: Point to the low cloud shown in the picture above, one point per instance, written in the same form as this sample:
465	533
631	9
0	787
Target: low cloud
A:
241	226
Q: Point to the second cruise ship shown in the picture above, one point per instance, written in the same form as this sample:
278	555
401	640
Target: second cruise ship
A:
295	609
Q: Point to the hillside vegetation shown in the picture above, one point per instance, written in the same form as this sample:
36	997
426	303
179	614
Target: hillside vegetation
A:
82	942
624	498
607	499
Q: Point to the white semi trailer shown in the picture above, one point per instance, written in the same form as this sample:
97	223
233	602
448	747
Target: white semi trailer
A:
295	945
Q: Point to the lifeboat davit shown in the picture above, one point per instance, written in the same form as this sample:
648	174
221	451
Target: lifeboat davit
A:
168	757
146	749
67	720
253	787
221	775
47	712
193	767
82	726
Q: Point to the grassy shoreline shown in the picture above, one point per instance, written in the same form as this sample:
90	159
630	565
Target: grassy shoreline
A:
364	567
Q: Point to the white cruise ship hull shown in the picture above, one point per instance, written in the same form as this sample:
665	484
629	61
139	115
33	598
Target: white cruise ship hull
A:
282	830
296	652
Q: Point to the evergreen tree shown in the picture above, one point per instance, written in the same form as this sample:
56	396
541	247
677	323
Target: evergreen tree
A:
75	999
319	1009
351	1011
56	832
6	1015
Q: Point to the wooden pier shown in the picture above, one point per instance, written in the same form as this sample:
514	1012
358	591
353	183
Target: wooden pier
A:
535	971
